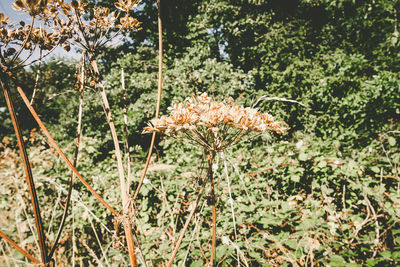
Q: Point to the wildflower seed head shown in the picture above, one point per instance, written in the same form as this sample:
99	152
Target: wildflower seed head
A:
212	124
93	28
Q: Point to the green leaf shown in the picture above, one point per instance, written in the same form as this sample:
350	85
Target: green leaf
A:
271	221
392	141
197	263
376	169
295	178
337	260
303	156
386	254
322	164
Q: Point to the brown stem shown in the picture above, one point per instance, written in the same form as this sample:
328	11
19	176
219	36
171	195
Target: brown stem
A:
126	143
77	140
211	156
160	66
28	171
178	243
124	192
61	153
15	245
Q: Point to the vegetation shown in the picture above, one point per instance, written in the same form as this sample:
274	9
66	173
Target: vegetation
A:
325	193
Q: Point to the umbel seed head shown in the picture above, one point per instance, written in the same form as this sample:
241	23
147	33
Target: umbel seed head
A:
212	124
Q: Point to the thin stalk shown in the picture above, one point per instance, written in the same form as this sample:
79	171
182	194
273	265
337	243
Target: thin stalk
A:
74	248
24	43
127	153
178	243
28	171
98	242
61	153
15	245
37	77
121	173
231	202
211	156
77	141
160	66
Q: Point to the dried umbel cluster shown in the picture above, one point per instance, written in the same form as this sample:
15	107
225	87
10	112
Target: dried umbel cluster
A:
92	28
27	36
211	124
35	7
62	23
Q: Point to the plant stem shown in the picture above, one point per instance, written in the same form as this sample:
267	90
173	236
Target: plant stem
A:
211	157
75	160
125	197
160	66
231	202
178	243
15	245
37	77
126	132
28	171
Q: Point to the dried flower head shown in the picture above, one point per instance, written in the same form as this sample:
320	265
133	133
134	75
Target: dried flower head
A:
211	124
91	29
33	7
23	36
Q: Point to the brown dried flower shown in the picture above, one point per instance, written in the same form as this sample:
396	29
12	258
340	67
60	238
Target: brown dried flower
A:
211	124
103	26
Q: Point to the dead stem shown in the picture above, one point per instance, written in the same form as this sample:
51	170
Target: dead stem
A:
125	197
192	212
126	132
15	245
160	66
37	77
28	171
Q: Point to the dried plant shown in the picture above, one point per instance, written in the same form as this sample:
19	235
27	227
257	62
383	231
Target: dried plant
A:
91	30
211	124
13	40
214	126
89	35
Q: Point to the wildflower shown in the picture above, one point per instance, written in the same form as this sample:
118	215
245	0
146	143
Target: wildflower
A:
211	124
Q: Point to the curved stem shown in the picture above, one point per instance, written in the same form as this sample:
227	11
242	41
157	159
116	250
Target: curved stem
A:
28	171
153	137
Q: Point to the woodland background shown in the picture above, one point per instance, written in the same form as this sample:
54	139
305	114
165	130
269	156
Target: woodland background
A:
326	193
